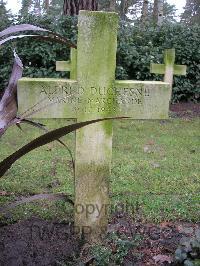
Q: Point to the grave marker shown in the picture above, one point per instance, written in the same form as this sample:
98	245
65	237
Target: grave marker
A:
69	66
168	68
94	94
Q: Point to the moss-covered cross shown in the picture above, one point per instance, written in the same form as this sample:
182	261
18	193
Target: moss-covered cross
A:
169	69
92	92
69	66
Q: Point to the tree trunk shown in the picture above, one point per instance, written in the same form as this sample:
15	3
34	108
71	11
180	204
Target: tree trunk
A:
112	5
46	5
155	10
144	11
158	12
88	5
72	7
123	9
37	8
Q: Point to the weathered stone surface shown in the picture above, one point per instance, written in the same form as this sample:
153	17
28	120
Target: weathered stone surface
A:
55	98
63	66
68	99
96	61
69	66
168	68
142	99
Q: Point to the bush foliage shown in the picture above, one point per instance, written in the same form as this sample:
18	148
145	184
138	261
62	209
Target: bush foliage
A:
137	48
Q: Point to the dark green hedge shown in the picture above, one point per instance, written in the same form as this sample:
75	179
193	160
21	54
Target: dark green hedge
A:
137	47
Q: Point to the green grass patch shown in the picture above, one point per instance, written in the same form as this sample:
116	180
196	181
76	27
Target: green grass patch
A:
155	170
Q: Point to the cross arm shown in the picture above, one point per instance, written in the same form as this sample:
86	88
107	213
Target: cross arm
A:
157	68
54	98
160	69
180	70
63	66
70	65
60	98
142	99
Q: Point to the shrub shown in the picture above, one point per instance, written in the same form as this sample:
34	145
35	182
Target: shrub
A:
39	58
138	47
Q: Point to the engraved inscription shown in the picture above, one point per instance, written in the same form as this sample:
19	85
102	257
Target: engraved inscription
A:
94	99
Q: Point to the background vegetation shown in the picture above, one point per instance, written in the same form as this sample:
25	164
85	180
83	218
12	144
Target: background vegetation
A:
140	42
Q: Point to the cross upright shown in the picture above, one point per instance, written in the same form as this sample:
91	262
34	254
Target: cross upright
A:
94	93
168	68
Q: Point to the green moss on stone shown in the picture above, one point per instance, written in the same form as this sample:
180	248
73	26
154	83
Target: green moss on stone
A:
96	62
169	57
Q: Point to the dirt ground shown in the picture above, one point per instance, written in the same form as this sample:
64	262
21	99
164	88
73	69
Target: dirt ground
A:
158	241
40	243
36	242
185	110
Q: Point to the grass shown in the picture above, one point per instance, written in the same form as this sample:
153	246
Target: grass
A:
155	171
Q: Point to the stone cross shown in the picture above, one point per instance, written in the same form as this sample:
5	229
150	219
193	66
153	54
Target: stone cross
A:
91	93
168	68
69	66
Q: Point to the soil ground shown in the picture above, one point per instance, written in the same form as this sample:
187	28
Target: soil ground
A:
158	241
40	243
37	242
186	110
